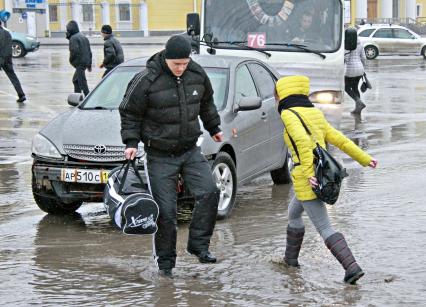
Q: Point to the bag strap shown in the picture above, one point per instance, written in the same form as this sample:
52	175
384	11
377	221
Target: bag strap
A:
126	171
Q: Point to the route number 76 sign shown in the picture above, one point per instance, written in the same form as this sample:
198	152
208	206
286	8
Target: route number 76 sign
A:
256	40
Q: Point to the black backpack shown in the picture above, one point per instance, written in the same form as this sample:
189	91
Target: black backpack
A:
328	171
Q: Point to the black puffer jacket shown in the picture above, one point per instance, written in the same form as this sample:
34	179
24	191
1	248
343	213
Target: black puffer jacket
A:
162	110
5	45
79	45
113	53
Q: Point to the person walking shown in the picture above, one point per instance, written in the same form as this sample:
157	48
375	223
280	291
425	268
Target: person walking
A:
292	93
6	62
80	57
113	53
355	61
161	108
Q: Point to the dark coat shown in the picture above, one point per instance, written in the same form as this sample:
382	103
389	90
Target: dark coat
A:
113	53
5	45
79	46
162	110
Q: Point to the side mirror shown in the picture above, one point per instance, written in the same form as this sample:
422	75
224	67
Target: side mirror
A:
74	99
351	39
248	103
193	24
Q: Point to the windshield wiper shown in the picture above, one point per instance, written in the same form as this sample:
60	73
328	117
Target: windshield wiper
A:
214	45
97	108
298	46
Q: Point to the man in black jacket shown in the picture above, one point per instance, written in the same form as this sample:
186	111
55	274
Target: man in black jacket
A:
80	57
113	53
6	62
161	107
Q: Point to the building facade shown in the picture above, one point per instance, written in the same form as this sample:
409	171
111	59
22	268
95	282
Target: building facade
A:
386	10
127	17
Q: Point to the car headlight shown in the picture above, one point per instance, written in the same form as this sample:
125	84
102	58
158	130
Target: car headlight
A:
44	148
326	97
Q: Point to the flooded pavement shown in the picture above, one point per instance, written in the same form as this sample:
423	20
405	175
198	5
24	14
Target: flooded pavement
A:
82	260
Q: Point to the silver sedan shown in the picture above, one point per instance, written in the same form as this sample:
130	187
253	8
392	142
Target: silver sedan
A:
74	153
390	39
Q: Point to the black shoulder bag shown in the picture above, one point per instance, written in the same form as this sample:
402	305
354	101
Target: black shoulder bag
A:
328	171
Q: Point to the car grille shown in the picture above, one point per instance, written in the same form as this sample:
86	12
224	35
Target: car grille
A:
87	153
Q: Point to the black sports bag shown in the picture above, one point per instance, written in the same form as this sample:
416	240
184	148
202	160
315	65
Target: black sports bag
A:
128	202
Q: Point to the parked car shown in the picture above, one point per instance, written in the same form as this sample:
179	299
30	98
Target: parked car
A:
23	43
390	39
74	153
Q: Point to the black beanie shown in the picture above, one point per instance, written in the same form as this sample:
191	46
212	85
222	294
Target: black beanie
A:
106	29
177	47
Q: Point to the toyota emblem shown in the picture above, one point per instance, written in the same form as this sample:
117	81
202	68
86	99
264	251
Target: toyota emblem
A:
100	149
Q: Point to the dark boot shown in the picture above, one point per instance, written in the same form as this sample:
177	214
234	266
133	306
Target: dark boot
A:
336	243
294	243
359	105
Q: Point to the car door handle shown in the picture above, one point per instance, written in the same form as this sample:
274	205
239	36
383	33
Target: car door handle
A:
264	115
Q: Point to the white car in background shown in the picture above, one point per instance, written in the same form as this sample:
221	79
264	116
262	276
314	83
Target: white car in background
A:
381	39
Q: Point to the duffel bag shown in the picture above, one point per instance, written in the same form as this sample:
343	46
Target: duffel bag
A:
128	202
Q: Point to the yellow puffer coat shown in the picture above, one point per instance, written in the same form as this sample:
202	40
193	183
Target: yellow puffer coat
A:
324	133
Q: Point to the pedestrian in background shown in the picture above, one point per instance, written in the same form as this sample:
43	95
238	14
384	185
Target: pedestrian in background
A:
161	108
80	57
6	62
292	93
113	53
355	61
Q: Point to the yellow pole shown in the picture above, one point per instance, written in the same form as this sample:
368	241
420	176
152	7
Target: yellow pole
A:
353	11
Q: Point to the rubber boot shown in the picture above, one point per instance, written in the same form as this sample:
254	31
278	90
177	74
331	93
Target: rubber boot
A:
336	243
359	105
294	244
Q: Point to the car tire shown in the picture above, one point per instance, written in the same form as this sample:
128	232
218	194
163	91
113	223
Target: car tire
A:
423	52
51	204
225	176
371	52
282	175
18	50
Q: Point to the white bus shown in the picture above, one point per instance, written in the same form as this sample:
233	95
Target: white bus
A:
295	36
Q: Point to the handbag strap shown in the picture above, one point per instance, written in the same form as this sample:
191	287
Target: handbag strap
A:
126	171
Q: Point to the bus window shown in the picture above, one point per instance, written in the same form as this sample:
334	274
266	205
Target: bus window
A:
260	23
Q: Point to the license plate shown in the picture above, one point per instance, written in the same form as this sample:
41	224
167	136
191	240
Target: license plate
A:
84	175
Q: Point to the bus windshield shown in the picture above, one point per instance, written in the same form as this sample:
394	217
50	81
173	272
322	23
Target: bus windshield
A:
275	24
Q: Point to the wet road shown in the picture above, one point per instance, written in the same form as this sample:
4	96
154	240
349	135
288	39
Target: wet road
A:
82	260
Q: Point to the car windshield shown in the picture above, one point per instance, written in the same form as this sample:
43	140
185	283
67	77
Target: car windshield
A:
109	93
266	23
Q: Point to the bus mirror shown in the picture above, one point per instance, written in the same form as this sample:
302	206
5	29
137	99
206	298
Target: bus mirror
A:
351	38
193	24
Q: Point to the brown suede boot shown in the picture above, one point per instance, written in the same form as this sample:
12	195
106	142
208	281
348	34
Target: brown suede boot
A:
294	244
336	243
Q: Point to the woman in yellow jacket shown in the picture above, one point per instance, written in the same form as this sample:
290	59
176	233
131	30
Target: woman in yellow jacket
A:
292	93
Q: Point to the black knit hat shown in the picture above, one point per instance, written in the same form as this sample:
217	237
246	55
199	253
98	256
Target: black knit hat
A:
106	29
177	47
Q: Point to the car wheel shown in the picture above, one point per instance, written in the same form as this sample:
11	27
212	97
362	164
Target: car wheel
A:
282	175
51	204
371	52
225	176
423	53
18	49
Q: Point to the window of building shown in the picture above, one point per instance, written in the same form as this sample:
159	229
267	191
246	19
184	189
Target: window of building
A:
87	12
53	13
419	10
124	12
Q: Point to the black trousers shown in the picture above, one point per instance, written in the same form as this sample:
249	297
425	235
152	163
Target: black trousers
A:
7	66
79	80
163	175
351	87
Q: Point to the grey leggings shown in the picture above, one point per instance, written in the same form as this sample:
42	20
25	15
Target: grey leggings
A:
317	213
